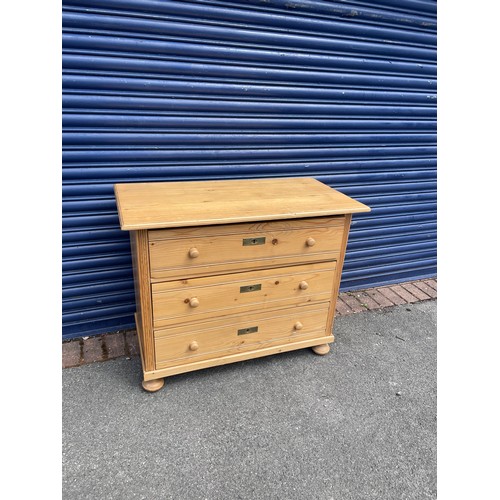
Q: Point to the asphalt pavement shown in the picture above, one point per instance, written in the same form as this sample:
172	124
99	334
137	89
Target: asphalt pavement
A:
356	424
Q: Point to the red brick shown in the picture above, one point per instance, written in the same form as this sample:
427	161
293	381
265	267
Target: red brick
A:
366	301
392	296
426	288
131	343
432	284
115	345
342	308
71	354
379	298
410	287
92	350
405	294
352	303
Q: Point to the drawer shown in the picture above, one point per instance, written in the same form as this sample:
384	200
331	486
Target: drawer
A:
245	332
202	251
203	298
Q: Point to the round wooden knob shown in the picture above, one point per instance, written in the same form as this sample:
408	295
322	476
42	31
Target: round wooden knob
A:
303	285
193	346
194	302
298	326
310	242
193	253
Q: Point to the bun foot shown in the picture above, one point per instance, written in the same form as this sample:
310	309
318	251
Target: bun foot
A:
153	385
321	349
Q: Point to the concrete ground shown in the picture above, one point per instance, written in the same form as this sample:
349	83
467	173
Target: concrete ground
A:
358	423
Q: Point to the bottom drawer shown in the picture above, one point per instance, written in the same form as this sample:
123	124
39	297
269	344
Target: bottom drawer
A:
211	339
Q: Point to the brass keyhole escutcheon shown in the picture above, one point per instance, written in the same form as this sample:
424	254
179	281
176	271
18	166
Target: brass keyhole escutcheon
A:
248	242
251	288
250	329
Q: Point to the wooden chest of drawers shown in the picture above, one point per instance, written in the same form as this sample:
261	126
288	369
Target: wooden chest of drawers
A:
226	271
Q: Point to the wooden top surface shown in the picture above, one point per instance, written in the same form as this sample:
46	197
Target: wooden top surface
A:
154	205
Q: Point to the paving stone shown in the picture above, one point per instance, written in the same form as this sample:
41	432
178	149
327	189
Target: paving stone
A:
415	291
392	296
131	343
341	307
92	350
378	297
405	294
431	292
114	345
432	284
353	303
366	301
71	353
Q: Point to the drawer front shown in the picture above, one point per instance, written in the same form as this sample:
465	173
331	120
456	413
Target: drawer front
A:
242	333
204	251
202	298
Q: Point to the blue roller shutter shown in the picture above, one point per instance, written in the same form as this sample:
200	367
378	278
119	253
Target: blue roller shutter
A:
173	90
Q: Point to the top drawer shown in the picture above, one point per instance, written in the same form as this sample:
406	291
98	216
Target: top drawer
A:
199	251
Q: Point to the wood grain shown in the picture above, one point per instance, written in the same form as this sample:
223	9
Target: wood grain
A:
191	266
245	228
199	203
144	307
272	329
321	349
222	295
234	358
172	257
338	276
223	268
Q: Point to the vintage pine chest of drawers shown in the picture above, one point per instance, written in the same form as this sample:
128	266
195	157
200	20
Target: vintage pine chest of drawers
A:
227	271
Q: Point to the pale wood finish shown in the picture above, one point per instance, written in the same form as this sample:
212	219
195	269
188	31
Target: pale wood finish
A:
190	265
201	298
245	228
193	253
221	340
221	321
211	340
153	385
234	358
321	349
171	257
222	269
140	336
336	282
201	203
194	302
144	313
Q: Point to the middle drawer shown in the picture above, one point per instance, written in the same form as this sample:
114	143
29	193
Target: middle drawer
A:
203	298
